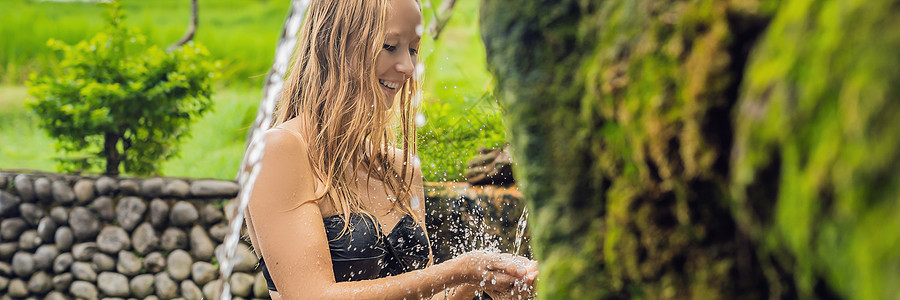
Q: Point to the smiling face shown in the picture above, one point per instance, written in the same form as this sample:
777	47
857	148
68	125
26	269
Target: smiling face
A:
395	63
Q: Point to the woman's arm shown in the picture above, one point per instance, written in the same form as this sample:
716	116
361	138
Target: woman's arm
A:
291	236
469	291
460	292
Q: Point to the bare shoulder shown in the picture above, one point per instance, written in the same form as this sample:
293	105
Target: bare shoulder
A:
280	139
285	176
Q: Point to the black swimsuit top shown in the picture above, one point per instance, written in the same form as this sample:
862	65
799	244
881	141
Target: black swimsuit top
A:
363	252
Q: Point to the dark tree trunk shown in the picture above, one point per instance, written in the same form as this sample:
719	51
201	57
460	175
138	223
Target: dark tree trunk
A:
113	157
441	16
707	149
191	30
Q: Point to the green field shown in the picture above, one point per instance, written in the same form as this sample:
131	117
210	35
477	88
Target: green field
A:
460	111
240	33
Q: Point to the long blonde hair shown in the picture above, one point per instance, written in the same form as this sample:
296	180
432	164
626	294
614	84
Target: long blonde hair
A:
334	91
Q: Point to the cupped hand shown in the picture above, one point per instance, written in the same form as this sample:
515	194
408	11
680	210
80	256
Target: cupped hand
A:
504	286
502	275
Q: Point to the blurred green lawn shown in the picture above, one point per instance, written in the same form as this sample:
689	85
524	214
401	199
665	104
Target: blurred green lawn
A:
460	111
239	32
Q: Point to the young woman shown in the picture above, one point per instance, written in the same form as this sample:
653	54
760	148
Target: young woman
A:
337	212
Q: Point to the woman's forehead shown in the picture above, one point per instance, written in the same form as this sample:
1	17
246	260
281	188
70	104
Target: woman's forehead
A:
404	13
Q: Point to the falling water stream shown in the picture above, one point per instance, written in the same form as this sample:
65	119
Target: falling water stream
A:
252	161
520	229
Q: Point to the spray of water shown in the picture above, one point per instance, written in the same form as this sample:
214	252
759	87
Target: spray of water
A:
251	164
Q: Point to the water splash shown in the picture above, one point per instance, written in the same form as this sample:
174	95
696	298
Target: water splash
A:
252	161
465	218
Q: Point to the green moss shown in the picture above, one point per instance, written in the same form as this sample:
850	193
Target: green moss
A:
823	115
617	113
661	159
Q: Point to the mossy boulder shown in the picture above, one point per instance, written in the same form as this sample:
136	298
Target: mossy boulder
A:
704	149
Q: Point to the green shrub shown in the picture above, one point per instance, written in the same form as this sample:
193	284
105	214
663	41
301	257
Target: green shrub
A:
115	99
460	110
452	135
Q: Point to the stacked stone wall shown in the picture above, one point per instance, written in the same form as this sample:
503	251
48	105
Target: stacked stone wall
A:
65	237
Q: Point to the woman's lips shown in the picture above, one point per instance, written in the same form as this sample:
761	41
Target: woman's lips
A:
390	87
390	84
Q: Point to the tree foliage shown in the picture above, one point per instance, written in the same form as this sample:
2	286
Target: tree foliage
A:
118	100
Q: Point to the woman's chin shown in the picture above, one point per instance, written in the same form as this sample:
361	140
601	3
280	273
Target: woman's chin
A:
389	96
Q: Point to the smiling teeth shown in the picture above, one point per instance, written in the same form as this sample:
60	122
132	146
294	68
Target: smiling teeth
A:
388	84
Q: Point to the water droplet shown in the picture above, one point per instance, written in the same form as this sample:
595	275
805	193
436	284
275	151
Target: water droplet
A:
420	68
420	119
414	203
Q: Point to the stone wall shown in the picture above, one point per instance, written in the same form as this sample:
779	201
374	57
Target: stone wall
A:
66	236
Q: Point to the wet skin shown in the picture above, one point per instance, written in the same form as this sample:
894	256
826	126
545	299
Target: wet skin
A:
286	226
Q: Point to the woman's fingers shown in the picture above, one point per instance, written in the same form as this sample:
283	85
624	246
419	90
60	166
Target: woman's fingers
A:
503	286
504	273
531	277
498	281
517	266
532	269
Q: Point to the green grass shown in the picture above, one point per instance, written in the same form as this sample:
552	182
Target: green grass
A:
460	110
241	33
217	141
22	143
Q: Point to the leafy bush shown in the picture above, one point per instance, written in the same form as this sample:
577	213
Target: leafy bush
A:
118	100
452	135
460	110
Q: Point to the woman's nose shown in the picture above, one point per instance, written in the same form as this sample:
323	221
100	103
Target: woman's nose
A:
405	66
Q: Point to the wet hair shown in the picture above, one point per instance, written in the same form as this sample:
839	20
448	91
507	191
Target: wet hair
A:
334	91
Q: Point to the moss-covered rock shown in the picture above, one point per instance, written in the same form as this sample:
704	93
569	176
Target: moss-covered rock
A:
816	165
704	149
